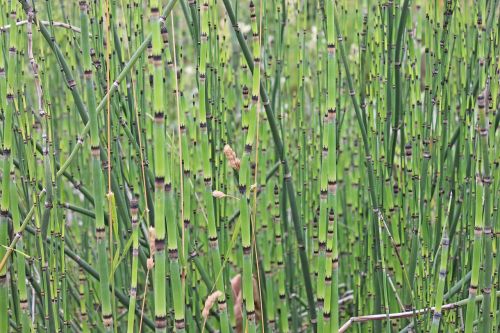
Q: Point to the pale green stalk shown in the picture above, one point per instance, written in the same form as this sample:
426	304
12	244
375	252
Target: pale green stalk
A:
100	228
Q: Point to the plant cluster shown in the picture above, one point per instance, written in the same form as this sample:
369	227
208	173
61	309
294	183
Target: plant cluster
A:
249	166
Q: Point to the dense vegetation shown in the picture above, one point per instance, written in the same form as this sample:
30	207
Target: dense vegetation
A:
239	166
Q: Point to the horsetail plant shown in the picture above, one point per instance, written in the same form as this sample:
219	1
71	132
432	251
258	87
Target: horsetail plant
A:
206	166
100	228
274	166
160	169
445	244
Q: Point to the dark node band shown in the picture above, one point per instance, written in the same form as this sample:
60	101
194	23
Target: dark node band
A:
134	204
180	324
161	321
159	244
247	250
173	254
242	188
100	232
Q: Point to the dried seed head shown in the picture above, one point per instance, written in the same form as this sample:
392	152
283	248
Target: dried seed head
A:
150	263
236	286
233	160
235	164
218	194
152	238
229	152
209	302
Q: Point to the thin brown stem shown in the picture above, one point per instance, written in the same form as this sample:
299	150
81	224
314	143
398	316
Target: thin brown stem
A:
406	314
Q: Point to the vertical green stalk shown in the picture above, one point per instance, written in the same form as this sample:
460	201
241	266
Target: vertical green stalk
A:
160	169
323	219
246	181
480	214
278	238
100	228
134	208
332	271
8	138
445	245
482	104
178	293
20	257
83	294
207	169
